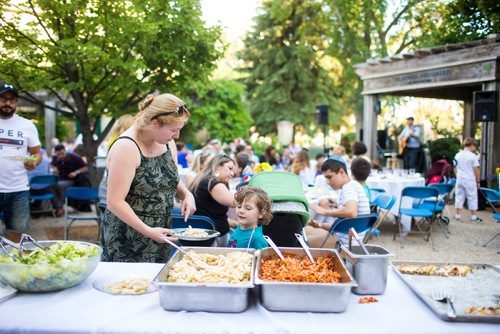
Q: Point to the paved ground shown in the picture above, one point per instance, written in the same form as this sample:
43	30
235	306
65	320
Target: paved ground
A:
464	243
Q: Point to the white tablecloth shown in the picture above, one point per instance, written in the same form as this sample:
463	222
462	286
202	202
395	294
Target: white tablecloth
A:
85	310
394	185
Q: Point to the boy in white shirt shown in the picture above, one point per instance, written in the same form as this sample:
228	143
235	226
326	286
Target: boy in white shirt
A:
352	202
467	172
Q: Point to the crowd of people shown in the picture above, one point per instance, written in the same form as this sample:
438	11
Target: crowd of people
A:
148	173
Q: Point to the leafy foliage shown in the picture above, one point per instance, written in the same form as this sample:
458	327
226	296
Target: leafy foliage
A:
444	148
284	55
102	57
221	111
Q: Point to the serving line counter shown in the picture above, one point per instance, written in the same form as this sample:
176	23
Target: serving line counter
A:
83	309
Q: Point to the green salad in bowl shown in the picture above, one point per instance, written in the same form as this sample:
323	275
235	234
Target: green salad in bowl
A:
59	265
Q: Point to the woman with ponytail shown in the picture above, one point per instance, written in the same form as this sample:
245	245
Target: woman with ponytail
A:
142	181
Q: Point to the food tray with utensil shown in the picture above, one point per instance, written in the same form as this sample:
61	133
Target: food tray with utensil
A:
468	284
196	284
305	296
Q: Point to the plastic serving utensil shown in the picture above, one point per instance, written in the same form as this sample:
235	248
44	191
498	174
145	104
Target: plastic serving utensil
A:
354	234
273	246
304	245
199	263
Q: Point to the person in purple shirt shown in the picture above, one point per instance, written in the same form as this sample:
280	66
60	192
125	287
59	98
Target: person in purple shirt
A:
69	167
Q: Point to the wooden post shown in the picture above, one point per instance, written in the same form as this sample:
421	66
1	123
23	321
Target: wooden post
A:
467	130
370	124
490	131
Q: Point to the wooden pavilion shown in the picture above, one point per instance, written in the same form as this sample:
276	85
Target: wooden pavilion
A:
452	72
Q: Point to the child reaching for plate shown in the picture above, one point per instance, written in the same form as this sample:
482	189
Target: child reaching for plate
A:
253	209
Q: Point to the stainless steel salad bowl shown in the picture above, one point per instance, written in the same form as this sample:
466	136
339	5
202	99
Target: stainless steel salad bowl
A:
59	265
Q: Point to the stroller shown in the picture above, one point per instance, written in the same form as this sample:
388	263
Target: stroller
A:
439	172
290	209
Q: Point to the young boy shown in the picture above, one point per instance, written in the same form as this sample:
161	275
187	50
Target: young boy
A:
352	201
253	209
360	170
467	172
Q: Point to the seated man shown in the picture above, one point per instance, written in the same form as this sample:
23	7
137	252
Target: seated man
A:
352	203
70	167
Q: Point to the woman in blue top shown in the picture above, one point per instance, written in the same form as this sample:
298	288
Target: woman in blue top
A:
253	209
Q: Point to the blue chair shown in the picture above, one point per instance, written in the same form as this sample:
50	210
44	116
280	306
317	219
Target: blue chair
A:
195	221
360	224
375	192
81	194
492	197
46	182
427	214
496	216
444	190
383	202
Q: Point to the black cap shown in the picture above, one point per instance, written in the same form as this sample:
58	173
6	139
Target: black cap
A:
410	118
5	87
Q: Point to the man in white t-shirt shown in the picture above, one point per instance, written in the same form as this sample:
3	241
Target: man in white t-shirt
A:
19	152
352	203
467	171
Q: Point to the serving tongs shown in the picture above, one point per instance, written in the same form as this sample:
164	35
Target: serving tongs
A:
24	238
354	234
196	261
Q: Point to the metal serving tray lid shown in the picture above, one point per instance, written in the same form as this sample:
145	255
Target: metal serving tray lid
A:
161	277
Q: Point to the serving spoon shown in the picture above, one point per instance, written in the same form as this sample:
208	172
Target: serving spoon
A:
304	245
273	246
198	262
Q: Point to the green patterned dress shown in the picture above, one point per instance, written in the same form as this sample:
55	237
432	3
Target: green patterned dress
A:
151	196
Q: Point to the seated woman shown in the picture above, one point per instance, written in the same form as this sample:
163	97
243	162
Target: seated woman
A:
212	196
200	163
302	167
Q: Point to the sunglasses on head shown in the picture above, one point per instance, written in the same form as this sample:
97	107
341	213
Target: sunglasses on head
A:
179	111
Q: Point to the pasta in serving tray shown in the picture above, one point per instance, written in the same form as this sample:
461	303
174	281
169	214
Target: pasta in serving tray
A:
233	268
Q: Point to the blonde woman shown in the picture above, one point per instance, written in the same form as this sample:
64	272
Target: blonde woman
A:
212	195
122	124
200	163
302	167
142	182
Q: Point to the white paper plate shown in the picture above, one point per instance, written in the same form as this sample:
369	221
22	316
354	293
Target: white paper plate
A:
211	234
102	285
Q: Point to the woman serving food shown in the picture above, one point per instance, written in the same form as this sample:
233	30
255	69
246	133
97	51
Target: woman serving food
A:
142	181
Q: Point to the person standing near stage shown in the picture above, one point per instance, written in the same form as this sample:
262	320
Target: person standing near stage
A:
409	145
19	152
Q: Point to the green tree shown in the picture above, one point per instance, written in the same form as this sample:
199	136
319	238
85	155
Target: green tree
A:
220	109
465	20
284	56
102	57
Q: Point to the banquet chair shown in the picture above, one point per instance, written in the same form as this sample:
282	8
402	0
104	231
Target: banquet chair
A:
376	191
195	221
492	197
360	224
426	214
384	203
42	184
444	190
90	194
496	216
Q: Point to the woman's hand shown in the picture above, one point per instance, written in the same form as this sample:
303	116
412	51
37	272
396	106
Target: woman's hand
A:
159	234
188	205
